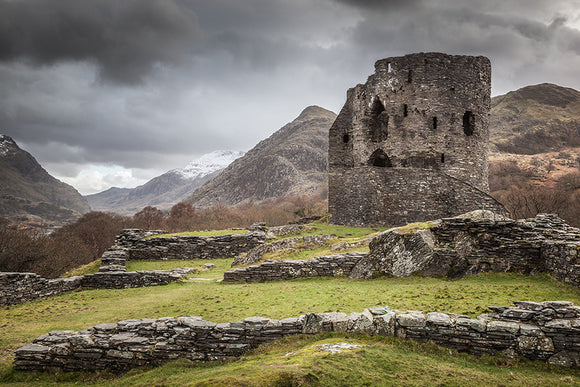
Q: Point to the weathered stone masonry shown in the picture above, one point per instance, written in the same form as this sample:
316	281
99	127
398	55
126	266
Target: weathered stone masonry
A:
326	266
546	331
451	247
16	288
411	144
455	247
135	244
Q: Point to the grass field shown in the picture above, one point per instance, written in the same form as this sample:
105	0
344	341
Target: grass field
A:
381	361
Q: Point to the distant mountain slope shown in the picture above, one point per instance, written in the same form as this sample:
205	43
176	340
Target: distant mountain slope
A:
535	119
30	194
537	129
166	190
292	161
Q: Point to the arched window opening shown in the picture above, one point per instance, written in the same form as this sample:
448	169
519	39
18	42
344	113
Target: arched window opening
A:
378	123
468	123
380	159
434	125
345	138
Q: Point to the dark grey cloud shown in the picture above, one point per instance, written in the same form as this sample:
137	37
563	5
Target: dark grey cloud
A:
383	4
185	77
125	38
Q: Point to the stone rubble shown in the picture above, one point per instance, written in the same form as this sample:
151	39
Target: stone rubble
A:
547	331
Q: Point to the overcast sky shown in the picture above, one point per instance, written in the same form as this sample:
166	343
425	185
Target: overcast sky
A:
114	92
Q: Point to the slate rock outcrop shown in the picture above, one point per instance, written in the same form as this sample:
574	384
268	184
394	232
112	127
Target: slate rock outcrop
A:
454	247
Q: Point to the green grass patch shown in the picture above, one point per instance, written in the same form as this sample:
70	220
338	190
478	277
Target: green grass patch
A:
89	268
223	302
317	252
200	233
414	227
217	272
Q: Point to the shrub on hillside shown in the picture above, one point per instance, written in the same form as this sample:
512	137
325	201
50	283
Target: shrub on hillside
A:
71	246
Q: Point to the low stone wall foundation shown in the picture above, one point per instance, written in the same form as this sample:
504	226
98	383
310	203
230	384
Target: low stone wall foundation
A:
329	265
548	331
16	288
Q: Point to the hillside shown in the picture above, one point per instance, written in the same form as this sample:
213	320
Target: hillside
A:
29	194
165	190
535	119
292	161
534	163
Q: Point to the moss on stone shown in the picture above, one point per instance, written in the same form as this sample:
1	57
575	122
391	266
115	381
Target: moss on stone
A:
412	228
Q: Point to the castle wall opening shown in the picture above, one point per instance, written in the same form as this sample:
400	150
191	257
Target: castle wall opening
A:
468	123
380	159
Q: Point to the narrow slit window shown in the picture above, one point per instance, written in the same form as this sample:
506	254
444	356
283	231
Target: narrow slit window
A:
345	138
434	124
468	123
442	158
389	68
405	110
410	76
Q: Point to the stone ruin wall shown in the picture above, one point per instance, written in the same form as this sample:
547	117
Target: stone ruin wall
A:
452	247
548	331
142	245
411	144
16	288
283	270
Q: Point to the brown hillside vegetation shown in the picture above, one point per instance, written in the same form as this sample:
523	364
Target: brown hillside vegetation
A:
535	161
85	240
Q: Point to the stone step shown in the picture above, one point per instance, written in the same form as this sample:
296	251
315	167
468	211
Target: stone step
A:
108	268
113	261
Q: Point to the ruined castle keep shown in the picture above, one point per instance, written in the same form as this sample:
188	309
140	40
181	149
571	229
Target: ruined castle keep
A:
411	144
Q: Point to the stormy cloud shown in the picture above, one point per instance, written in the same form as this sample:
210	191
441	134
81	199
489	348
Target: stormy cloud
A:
144	86
125	38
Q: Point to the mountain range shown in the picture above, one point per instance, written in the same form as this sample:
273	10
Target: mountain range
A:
165	190
30	195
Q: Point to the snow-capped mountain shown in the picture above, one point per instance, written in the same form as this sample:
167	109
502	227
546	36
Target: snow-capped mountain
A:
206	164
165	190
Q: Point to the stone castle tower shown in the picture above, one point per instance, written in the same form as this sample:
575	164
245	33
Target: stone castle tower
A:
411	144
